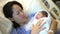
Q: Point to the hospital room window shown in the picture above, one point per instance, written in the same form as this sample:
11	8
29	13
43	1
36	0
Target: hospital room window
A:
57	2
46	3
55	11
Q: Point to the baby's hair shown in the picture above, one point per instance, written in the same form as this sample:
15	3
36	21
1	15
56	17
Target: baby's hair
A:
45	14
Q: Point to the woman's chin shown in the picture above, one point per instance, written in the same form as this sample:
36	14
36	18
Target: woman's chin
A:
25	20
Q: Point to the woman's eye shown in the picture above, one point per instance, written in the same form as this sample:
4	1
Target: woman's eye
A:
18	13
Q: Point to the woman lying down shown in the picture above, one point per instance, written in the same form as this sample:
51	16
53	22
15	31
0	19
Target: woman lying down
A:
44	24
39	24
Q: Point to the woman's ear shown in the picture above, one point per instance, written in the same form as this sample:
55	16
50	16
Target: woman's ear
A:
11	19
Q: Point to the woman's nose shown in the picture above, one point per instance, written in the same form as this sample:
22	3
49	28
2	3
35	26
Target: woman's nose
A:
21	13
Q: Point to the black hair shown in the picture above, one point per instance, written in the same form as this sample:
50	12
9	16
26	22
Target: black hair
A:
7	9
45	14
8	12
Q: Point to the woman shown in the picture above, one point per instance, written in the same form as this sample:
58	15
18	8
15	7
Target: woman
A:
14	11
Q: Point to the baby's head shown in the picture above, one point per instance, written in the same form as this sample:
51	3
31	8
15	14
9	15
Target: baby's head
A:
41	14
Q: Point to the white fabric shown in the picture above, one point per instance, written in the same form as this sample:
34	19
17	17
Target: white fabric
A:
5	25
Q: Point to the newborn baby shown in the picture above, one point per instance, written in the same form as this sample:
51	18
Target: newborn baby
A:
41	15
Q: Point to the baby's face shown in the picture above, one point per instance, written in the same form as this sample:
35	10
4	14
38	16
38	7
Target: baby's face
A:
39	15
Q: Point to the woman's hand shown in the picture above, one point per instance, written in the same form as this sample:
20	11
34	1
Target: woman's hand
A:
36	28
49	33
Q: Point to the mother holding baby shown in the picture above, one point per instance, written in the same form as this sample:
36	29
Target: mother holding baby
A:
13	10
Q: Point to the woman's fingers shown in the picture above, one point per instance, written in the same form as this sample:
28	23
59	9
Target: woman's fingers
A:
39	22
35	27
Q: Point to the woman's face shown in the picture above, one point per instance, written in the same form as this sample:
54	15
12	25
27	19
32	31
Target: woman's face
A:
18	14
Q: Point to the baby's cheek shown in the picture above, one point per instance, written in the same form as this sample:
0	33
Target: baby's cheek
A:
37	17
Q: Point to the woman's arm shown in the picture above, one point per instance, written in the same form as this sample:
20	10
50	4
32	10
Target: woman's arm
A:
53	26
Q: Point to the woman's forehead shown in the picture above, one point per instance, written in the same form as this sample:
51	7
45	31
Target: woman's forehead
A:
16	7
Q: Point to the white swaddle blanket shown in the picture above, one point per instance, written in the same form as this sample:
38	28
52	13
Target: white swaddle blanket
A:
45	24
